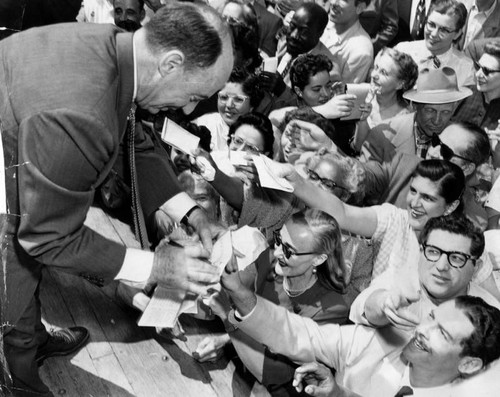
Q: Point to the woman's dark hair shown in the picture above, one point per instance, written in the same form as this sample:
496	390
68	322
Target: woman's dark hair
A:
309	115
306	66
449	177
407	70
262	124
249	84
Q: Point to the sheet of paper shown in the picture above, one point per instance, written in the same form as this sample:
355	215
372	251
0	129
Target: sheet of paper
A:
222	251
250	242
237	157
176	136
270	64
163	309
267	177
361	91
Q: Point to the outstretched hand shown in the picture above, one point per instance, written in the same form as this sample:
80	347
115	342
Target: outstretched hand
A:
315	379
401	309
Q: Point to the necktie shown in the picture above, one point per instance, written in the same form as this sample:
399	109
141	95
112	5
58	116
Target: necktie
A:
417	31
285	65
435	61
404	391
137	214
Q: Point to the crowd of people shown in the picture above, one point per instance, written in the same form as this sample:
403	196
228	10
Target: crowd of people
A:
381	275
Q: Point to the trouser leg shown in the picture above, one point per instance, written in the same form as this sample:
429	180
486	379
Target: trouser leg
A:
20	346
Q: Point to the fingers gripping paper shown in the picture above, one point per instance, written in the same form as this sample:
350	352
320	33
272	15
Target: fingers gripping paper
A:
267	176
167	303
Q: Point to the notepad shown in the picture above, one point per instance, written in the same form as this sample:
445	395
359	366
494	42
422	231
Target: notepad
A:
176	136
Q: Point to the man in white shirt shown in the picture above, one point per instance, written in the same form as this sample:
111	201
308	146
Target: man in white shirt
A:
346	39
444	24
432	359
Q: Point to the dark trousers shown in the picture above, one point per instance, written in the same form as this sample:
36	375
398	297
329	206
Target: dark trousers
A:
22	330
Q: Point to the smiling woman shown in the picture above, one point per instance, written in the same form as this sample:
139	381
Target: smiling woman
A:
240	95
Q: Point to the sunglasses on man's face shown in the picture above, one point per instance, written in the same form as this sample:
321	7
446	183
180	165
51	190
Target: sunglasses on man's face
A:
447	153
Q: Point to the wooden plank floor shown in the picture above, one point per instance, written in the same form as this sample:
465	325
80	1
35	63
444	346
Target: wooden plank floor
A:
121	358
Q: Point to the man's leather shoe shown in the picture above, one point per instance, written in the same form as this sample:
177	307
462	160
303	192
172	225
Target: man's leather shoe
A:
62	342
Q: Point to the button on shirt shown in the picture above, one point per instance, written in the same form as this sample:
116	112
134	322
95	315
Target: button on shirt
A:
453	58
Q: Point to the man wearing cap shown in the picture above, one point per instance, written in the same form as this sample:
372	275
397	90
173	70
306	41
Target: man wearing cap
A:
436	97
443	26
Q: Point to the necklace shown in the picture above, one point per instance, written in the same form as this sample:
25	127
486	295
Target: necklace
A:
292	293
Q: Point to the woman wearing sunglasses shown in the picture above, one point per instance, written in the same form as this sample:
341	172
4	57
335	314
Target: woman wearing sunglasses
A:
344	177
308	277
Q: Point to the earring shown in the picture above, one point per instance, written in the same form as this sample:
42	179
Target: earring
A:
314	270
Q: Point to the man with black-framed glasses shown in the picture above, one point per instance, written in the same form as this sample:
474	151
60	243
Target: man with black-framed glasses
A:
444	25
449	256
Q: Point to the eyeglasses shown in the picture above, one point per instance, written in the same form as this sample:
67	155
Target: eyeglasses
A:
236	140
455	259
287	250
486	71
328	183
446	152
237	99
442	31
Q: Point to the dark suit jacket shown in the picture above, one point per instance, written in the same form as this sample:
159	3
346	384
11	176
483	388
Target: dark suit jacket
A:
490	27
380	20
269	25
65	94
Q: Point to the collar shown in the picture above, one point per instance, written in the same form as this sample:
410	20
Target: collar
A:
487	12
340	38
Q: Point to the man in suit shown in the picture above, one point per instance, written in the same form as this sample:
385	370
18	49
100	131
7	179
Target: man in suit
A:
482	22
435	98
64	103
269	26
445	346
303	37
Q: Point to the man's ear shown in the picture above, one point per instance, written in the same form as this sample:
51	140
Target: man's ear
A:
468	365
468	168
360	7
142	15
451	207
170	62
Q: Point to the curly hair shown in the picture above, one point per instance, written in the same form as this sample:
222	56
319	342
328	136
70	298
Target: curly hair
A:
407	70
249	84
261	123
306	66
333	273
309	115
352	173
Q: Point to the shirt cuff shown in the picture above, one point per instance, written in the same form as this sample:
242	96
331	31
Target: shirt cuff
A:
137	266
178	206
235	317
